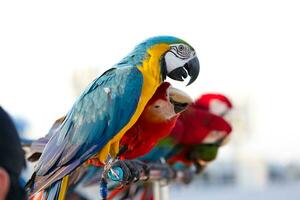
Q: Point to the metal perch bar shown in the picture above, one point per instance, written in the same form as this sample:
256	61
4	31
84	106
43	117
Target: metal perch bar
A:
134	170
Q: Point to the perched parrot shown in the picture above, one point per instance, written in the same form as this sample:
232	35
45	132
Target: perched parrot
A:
108	108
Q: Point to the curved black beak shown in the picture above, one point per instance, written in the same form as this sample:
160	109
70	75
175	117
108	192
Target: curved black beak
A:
191	68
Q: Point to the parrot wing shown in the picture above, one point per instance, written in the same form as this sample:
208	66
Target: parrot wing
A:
36	147
98	115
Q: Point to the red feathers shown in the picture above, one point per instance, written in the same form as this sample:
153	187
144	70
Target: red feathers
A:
205	100
156	122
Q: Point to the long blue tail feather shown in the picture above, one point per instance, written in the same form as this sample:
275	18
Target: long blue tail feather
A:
53	191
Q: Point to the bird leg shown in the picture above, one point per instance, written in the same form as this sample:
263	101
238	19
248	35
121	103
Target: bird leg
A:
128	171
104	175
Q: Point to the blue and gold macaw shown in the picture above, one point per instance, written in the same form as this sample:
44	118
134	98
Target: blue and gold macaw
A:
108	107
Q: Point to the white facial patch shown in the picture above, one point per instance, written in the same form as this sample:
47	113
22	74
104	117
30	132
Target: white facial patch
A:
213	137
218	107
173	62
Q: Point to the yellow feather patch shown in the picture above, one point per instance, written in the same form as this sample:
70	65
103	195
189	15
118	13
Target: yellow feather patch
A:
103	154
114	149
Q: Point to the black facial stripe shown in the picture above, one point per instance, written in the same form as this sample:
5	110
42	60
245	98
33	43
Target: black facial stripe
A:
185	53
178	55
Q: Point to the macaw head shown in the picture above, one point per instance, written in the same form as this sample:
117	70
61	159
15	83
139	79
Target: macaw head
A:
174	57
166	103
217	104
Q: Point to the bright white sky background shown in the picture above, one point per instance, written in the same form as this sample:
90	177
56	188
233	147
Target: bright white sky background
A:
249	50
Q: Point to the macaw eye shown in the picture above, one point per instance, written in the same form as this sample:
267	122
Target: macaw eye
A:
183	51
156	106
181	47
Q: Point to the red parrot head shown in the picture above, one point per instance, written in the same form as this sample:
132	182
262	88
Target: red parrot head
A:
166	103
217	104
203	121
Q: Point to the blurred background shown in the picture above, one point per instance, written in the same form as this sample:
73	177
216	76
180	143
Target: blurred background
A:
248	50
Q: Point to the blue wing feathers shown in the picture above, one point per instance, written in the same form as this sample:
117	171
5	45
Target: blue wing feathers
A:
102	110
